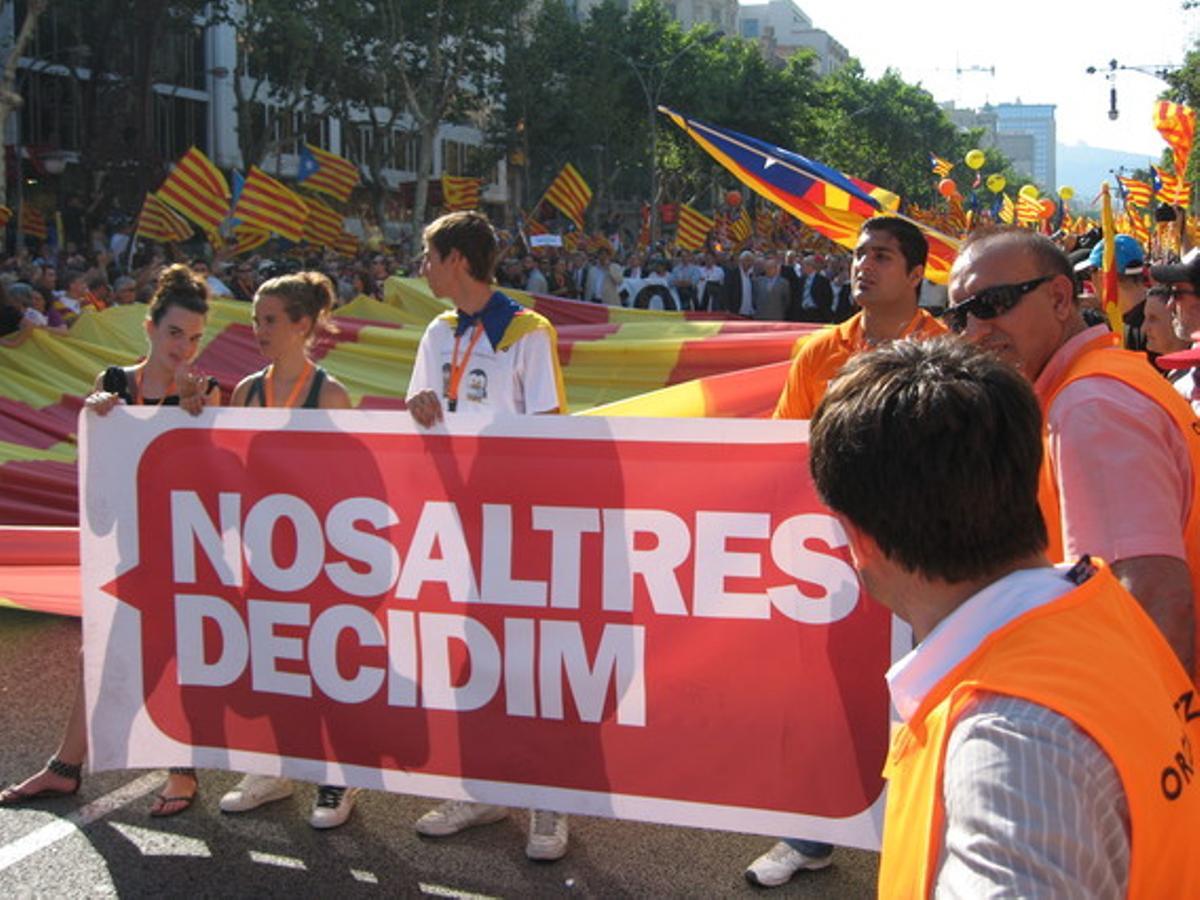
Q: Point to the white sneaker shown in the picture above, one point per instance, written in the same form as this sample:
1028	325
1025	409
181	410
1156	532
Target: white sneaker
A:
780	863
255	790
454	816
333	806
547	835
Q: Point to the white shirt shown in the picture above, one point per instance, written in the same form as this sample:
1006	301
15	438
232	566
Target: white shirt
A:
1186	385
747	308
517	380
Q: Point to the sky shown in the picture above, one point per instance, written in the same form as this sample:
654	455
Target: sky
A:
1040	52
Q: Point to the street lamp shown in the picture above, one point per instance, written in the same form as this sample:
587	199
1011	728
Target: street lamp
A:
1159	71
652	82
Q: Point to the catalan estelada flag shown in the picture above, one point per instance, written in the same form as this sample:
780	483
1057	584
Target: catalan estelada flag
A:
323	225
268	205
569	194
158	222
740	227
32	222
1177	124
1171	189
826	200
461	193
1134	192
941	167
197	190
326	172
694	227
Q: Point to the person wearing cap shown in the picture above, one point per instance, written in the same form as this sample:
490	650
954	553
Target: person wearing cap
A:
1182	282
1046	731
1108	417
1129	259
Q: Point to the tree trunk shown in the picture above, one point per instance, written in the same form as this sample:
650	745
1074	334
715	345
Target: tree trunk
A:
10	100
424	172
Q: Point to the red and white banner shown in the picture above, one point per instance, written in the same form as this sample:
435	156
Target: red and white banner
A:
650	619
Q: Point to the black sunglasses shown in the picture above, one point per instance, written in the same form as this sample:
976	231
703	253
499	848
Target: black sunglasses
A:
990	302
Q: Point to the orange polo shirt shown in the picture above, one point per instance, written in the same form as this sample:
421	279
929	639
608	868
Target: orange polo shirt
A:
823	355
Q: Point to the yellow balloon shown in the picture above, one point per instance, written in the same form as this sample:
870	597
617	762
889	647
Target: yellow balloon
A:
1066	192
996	183
1029	192
975	159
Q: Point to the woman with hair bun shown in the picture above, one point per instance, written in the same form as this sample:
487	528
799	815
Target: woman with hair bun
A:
174	325
288	313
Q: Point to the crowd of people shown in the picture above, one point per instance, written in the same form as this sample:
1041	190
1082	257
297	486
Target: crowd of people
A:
1018	486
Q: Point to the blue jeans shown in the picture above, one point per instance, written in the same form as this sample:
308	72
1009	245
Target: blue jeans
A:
813	849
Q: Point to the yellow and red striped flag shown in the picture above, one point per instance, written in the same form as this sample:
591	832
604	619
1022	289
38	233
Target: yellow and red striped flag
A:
1008	212
1137	193
32	222
1135	224
268	205
347	244
326	172
739	228
158	222
1173	189
461	193
764	223
1108	264
1177	124
941	167
1028	210
247	238
197	190
323	225
569	194
694	227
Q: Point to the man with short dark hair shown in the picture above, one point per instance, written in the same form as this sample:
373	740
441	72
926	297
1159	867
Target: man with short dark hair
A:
1183	303
1043	715
1108	418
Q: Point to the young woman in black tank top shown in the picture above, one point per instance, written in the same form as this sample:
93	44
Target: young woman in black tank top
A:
288	312
174	325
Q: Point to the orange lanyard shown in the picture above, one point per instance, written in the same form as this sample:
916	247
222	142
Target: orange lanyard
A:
269	391
138	399
457	368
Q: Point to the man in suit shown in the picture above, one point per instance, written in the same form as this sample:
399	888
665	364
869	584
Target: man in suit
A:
816	294
771	292
739	296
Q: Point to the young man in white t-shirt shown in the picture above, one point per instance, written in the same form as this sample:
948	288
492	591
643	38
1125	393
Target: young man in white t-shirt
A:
489	356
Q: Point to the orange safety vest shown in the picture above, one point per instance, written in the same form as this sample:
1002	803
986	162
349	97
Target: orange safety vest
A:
1100	358
1094	657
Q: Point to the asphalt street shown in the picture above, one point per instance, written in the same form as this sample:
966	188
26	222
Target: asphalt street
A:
102	843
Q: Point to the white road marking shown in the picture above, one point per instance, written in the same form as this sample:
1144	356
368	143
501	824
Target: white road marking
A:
273	859
53	832
151	842
438	890
364	876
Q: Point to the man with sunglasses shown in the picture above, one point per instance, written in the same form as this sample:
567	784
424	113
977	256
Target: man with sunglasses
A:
1181	286
1121	474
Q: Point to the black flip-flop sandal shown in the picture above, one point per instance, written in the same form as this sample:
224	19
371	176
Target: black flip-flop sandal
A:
73	771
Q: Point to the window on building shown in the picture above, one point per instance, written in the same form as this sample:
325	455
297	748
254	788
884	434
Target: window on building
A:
750	28
454	158
50	114
179	123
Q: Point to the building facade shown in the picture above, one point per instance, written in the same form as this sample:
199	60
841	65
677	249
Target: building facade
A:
783	28
721	15
1035	121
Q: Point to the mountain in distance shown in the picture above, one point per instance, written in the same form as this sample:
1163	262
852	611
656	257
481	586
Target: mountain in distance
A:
1084	168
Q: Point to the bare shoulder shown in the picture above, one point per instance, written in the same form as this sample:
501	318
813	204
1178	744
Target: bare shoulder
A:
334	394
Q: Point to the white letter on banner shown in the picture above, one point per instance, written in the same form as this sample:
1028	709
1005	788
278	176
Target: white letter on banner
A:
381	558
714	563
518	667
190	523
322	653
190	612
496	582
402	658
439	524
656	565
567	525
437	681
266	647
620	658
310	543
835	575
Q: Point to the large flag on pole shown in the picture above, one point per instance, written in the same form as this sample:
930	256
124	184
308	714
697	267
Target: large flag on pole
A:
826	200
569	194
158	222
694	227
1108	264
1172	189
197	190
32	222
326	172
1136	193
323	225
268	205
1177	124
